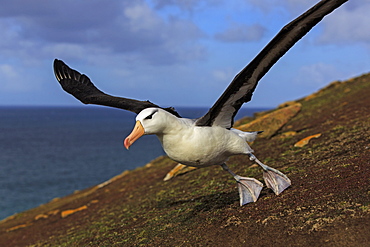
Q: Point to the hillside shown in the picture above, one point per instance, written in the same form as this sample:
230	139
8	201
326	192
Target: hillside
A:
327	204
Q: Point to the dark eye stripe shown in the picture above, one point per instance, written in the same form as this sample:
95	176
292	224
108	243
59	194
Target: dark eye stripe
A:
151	115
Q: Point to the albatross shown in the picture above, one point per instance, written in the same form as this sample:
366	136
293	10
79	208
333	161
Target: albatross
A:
210	139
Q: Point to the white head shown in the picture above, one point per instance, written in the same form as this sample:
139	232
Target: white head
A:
148	121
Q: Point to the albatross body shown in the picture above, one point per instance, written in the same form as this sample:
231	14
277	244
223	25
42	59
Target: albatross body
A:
187	143
209	140
201	146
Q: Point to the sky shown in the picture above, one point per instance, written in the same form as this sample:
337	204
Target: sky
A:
173	52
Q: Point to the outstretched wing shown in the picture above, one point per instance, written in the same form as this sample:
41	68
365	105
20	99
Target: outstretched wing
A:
83	89
242	87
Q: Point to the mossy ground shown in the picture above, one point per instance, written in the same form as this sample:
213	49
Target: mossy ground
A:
327	204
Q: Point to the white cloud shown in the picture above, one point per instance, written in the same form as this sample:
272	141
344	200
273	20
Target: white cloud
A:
7	71
348	25
345	25
11	79
293	7
223	75
186	5
117	27
142	18
317	75
241	33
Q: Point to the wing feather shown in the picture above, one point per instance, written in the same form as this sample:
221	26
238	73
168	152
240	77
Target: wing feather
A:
243	85
81	87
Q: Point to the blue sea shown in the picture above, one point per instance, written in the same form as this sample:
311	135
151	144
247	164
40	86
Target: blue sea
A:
48	152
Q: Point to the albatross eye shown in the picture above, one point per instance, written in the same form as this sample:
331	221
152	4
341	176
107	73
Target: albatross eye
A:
151	115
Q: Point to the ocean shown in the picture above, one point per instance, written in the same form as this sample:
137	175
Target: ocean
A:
48	152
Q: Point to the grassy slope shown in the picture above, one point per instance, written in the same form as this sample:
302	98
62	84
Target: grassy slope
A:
327	204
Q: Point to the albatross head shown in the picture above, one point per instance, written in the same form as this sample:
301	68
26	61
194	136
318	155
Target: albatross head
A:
148	121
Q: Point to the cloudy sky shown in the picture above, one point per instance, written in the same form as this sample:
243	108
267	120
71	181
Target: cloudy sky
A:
173	52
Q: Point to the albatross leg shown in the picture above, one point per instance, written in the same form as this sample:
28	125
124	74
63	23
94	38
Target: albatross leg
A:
274	179
249	188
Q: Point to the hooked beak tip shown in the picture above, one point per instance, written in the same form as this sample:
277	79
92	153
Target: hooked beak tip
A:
136	133
127	143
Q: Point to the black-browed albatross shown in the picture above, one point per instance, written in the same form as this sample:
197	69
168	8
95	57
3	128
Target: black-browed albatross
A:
209	140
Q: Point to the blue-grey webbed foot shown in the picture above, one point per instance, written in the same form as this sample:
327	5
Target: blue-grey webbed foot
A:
249	188
274	179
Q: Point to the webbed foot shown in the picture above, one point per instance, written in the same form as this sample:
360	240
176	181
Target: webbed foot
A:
249	189
276	180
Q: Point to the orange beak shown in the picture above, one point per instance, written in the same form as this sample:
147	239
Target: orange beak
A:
136	133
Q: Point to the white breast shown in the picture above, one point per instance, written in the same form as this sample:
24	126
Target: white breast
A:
203	146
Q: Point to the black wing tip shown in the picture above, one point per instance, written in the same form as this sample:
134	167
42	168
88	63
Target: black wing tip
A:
56	60
81	87
75	83
57	65
60	65
62	71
